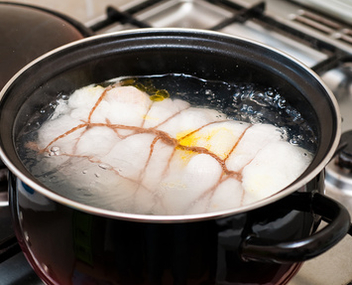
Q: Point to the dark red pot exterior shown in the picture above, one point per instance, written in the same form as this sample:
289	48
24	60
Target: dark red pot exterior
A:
67	246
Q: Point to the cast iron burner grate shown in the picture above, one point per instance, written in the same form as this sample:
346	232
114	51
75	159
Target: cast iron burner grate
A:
256	13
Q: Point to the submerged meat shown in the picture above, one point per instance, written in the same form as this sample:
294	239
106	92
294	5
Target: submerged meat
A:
117	148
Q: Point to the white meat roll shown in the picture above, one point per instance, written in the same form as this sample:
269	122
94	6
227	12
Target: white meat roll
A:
162	157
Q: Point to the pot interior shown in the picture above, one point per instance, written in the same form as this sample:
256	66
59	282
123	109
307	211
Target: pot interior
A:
206	55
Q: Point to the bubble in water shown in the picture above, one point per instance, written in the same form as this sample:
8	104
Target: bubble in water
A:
281	103
53	104
269	92
64	97
104	166
54	151
296	139
209	92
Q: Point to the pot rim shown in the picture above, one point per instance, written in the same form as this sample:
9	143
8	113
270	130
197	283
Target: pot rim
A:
296	185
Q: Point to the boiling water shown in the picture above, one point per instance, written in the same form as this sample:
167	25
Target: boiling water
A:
112	180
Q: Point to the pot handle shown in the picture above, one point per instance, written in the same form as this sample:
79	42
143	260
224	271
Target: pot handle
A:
338	219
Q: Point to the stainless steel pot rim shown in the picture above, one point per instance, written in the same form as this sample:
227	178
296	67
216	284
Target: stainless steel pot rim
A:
299	183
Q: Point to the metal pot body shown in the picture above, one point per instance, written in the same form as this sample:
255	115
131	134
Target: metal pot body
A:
263	243
207	55
68	246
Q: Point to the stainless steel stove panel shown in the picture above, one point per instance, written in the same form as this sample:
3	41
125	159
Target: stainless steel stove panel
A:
338	8
327	29
196	14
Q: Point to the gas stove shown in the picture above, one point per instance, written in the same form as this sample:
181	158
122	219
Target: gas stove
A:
318	33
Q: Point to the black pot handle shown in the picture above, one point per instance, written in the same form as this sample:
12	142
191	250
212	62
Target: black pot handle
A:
338	219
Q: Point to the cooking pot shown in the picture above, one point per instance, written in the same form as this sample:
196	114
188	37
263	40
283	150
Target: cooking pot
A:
265	242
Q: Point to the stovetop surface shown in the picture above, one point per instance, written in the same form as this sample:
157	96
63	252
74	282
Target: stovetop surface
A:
333	267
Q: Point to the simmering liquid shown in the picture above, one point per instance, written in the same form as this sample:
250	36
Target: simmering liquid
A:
168	144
